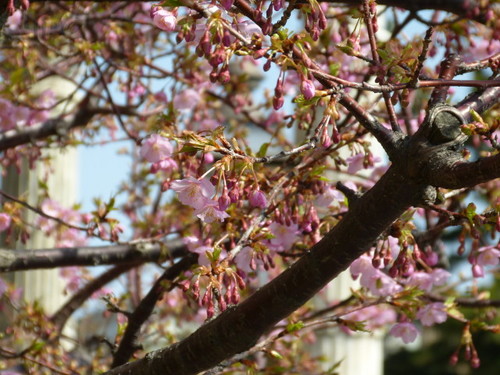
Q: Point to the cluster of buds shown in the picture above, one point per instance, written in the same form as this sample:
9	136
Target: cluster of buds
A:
222	288
404	265
470	350
315	20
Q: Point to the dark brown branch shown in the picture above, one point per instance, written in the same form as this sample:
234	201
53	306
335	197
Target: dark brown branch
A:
448	69
61	316
18	260
238	329
135	321
461	175
57	126
479	101
468	302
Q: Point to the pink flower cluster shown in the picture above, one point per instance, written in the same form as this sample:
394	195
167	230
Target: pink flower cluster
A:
430	314
373	316
158	150
12	115
199	195
374	279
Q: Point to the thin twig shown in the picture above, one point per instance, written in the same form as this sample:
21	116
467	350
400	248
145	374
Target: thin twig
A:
112	103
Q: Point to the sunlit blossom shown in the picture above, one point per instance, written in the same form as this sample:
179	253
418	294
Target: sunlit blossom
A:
194	192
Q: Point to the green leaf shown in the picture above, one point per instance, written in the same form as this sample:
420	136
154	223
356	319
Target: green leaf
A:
190	148
470	211
37	346
294	327
263	150
354	325
19	75
346	49
334	68
276	354
172	3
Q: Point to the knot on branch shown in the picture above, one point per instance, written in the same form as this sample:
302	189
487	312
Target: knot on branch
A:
435	147
444	122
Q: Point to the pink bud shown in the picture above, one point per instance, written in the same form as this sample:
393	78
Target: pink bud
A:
258	199
307	88
163	19
477	271
278	102
227	4
224	201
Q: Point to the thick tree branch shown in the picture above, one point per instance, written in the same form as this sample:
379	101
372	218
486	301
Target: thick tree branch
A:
19	260
479	101
135	321
57	126
460	175
61	316
238	329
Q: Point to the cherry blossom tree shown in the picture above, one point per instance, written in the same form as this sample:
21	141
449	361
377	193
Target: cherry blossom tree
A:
205	212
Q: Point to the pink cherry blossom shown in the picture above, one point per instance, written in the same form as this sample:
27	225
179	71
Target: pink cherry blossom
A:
488	256
373	316
187	99
381	284
244	258
355	162
156	148
432	313
406	331
194	192
330	197
202	255
14	21
166	165
422	280
248	28
163	19
5	221
426	281
439	276
284	236
258	199
210	212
